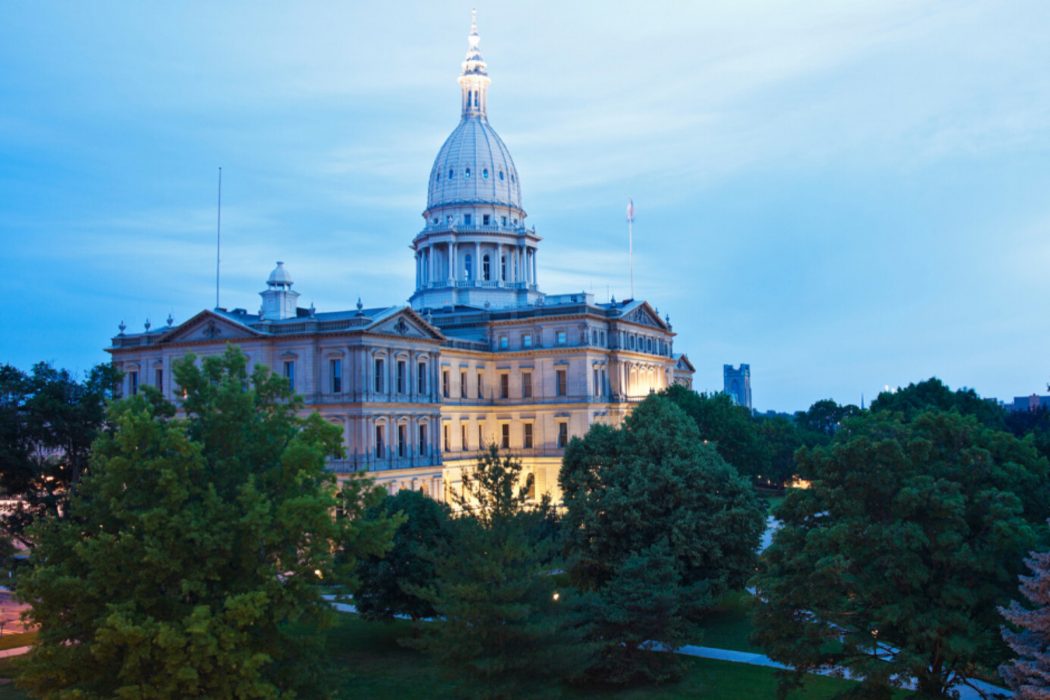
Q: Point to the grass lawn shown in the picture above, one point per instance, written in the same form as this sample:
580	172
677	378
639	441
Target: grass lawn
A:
10	641
729	625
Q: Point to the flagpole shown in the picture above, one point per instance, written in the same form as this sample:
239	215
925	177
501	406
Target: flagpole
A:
630	242
218	238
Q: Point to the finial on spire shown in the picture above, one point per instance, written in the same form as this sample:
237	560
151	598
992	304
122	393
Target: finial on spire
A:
473	21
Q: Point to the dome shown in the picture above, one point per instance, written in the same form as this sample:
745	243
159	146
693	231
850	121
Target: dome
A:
474	166
279	276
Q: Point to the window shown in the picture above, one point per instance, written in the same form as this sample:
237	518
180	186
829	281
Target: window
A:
561	338
423	438
380	446
594	336
468	267
467	173
336	369
158	377
562	382
501	176
401	440
133	382
379	365
526	436
289	373
485	218
597	382
504	436
512	177
445	390
503	267
481	437
446	435
485	173
526	340
504	343
526	385
563	434
402	370
481	385
504	386
421	377
486	268
531	493
503	220
451	174
466	219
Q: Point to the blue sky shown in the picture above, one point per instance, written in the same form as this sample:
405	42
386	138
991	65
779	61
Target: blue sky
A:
844	195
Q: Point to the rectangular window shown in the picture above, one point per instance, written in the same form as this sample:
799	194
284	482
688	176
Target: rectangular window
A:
504	221
466	219
336	367
446	390
463	385
159	378
504	436
402	370
597	382
526	340
401	440
423	438
526	385
481	385
379	371
561	338
481	437
289	373
421	378
486	219
563	434
561	377
380	445
504	386
504	343
526	438
133	382
594	336
463	436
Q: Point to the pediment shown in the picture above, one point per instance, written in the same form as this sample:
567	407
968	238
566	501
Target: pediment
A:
205	327
645	316
407	324
682	363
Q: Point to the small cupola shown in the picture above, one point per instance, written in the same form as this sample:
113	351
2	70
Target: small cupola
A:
278	300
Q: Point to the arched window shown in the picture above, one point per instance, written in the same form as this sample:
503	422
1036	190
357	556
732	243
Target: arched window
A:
485	173
501	176
512	177
437	178
468	172
468	267
486	268
451	173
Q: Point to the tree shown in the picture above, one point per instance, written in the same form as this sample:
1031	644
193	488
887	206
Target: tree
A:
1029	674
933	394
819	423
190	560
501	626
410	563
653	497
912	533
731	428
48	420
782	439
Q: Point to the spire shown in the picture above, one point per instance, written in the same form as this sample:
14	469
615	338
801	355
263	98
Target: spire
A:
474	80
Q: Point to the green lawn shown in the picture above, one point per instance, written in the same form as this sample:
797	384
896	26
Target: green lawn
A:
729	625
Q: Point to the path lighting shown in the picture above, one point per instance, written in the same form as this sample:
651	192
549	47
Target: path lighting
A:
875	641
556	597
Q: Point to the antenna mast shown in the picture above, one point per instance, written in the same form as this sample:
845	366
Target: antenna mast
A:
218	239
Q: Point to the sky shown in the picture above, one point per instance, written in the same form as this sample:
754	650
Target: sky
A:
845	195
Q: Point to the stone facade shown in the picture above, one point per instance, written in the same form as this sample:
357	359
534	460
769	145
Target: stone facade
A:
480	357
737	384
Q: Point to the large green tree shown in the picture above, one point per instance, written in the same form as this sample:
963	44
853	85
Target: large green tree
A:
933	394
385	581
190	560
501	628
912	533
48	420
730	428
652	497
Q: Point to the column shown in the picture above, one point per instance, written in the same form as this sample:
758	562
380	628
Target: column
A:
453	263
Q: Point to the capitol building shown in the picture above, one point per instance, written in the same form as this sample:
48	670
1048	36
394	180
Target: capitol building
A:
479	356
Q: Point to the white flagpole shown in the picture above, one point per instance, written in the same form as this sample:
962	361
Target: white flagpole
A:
630	241
218	239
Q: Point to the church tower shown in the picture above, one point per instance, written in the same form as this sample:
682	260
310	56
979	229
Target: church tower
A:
474	249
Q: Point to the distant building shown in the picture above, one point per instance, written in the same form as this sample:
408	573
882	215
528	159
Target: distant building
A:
1028	403
737	384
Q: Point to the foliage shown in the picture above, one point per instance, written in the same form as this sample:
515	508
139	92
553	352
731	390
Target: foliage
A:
1029	674
729	427
382	592
189	562
782	439
502	629
1032	423
819	423
48	420
910	536
933	394
651	497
